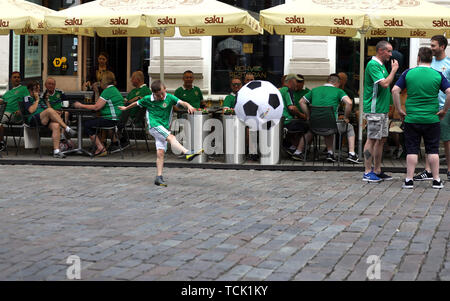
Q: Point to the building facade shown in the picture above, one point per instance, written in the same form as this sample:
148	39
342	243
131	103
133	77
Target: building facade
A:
71	59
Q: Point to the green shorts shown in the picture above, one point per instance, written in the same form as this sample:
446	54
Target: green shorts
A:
445	127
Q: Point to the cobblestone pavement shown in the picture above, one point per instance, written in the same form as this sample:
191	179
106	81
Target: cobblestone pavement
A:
218	225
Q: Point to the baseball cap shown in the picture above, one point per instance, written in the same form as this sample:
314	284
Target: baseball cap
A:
293	76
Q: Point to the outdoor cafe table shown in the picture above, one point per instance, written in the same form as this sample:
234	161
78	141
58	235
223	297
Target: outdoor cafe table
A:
79	112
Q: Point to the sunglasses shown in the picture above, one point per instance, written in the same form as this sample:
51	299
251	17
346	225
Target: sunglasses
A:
236	84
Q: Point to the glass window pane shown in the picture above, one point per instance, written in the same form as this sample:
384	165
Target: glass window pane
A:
233	56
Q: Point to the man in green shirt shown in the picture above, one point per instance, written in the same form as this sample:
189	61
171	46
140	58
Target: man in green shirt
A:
140	90
230	100
11	98
377	98
190	93
330	95
299	93
422	117
159	107
293	121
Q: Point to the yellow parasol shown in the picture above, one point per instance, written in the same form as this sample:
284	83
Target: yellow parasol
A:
24	18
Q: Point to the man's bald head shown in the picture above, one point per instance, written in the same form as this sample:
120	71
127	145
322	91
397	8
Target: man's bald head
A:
50	84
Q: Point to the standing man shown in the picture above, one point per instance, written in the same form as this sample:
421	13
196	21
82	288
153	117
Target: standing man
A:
377	97
190	93
12	98
441	63
422	113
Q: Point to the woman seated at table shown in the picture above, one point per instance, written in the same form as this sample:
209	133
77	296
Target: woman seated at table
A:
41	114
108	104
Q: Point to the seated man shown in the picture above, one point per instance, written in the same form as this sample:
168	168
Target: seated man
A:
190	93
230	100
40	114
55	97
11	98
330	95
292	117
140	90
108	104
299	93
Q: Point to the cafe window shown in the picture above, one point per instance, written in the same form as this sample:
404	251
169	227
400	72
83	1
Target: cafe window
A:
140	56
347	57
62	49
262	55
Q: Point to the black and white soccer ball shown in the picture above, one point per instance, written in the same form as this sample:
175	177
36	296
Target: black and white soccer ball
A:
257	103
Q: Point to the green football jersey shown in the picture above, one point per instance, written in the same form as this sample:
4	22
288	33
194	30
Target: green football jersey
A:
56	99
137	92
159	112
229	101
287	101
113	100
326	95
192	96
376	98
13	96
298	95
423	84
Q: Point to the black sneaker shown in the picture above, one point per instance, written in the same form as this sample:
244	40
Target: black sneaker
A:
298	157
353	158
423	176
159	181
448	175
2	146
384	176
438	184
408	185
289	151
330	157
190	155
114	148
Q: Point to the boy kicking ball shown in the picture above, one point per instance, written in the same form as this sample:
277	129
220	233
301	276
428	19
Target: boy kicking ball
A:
159	112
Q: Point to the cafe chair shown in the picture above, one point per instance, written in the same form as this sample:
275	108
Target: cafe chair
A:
2	112
138	125
31	134
115	130
323	123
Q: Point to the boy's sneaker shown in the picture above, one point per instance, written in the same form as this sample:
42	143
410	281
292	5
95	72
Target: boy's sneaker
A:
371	177
190	155
353	158
438	184
298	157
159	181
384	177
408	185
59	155
330	157
423	176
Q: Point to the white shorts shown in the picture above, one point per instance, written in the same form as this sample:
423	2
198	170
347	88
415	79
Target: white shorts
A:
160	134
